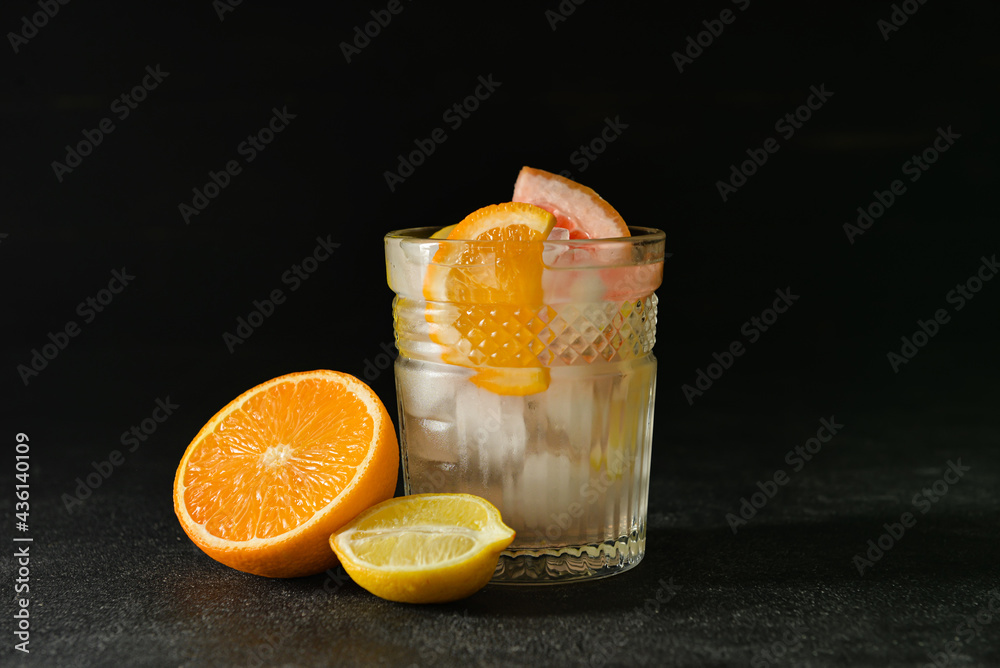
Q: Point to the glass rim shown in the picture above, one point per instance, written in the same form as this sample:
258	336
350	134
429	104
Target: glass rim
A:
423	234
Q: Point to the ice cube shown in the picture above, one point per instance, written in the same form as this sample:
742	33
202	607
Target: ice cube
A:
545	492
512	436
491	429
428	392
406	265
562	409
552	252
430	440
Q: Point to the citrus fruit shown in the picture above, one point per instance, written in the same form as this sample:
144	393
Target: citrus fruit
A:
483	297
425	548
281	467
587	216
443	232
576	207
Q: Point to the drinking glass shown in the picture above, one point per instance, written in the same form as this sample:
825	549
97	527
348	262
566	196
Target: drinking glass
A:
567	466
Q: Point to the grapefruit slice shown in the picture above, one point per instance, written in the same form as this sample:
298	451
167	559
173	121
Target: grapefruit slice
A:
586	215
576	207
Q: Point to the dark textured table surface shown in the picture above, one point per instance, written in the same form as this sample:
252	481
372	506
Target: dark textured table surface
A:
117	583
771	539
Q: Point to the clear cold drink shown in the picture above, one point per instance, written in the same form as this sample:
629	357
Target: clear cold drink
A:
568	467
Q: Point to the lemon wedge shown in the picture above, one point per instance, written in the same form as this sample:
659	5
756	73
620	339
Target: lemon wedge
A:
424	548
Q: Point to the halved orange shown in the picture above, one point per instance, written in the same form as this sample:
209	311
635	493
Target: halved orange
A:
281	467
483	296
576	207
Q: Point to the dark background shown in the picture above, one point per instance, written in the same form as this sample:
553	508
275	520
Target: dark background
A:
115	581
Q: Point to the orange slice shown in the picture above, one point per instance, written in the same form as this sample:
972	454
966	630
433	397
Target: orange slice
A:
425	548
281	467
576	207
483	297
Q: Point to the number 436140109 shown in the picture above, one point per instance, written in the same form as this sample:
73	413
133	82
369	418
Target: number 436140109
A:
22	492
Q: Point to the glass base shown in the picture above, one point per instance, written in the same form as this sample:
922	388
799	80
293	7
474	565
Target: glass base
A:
570	563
